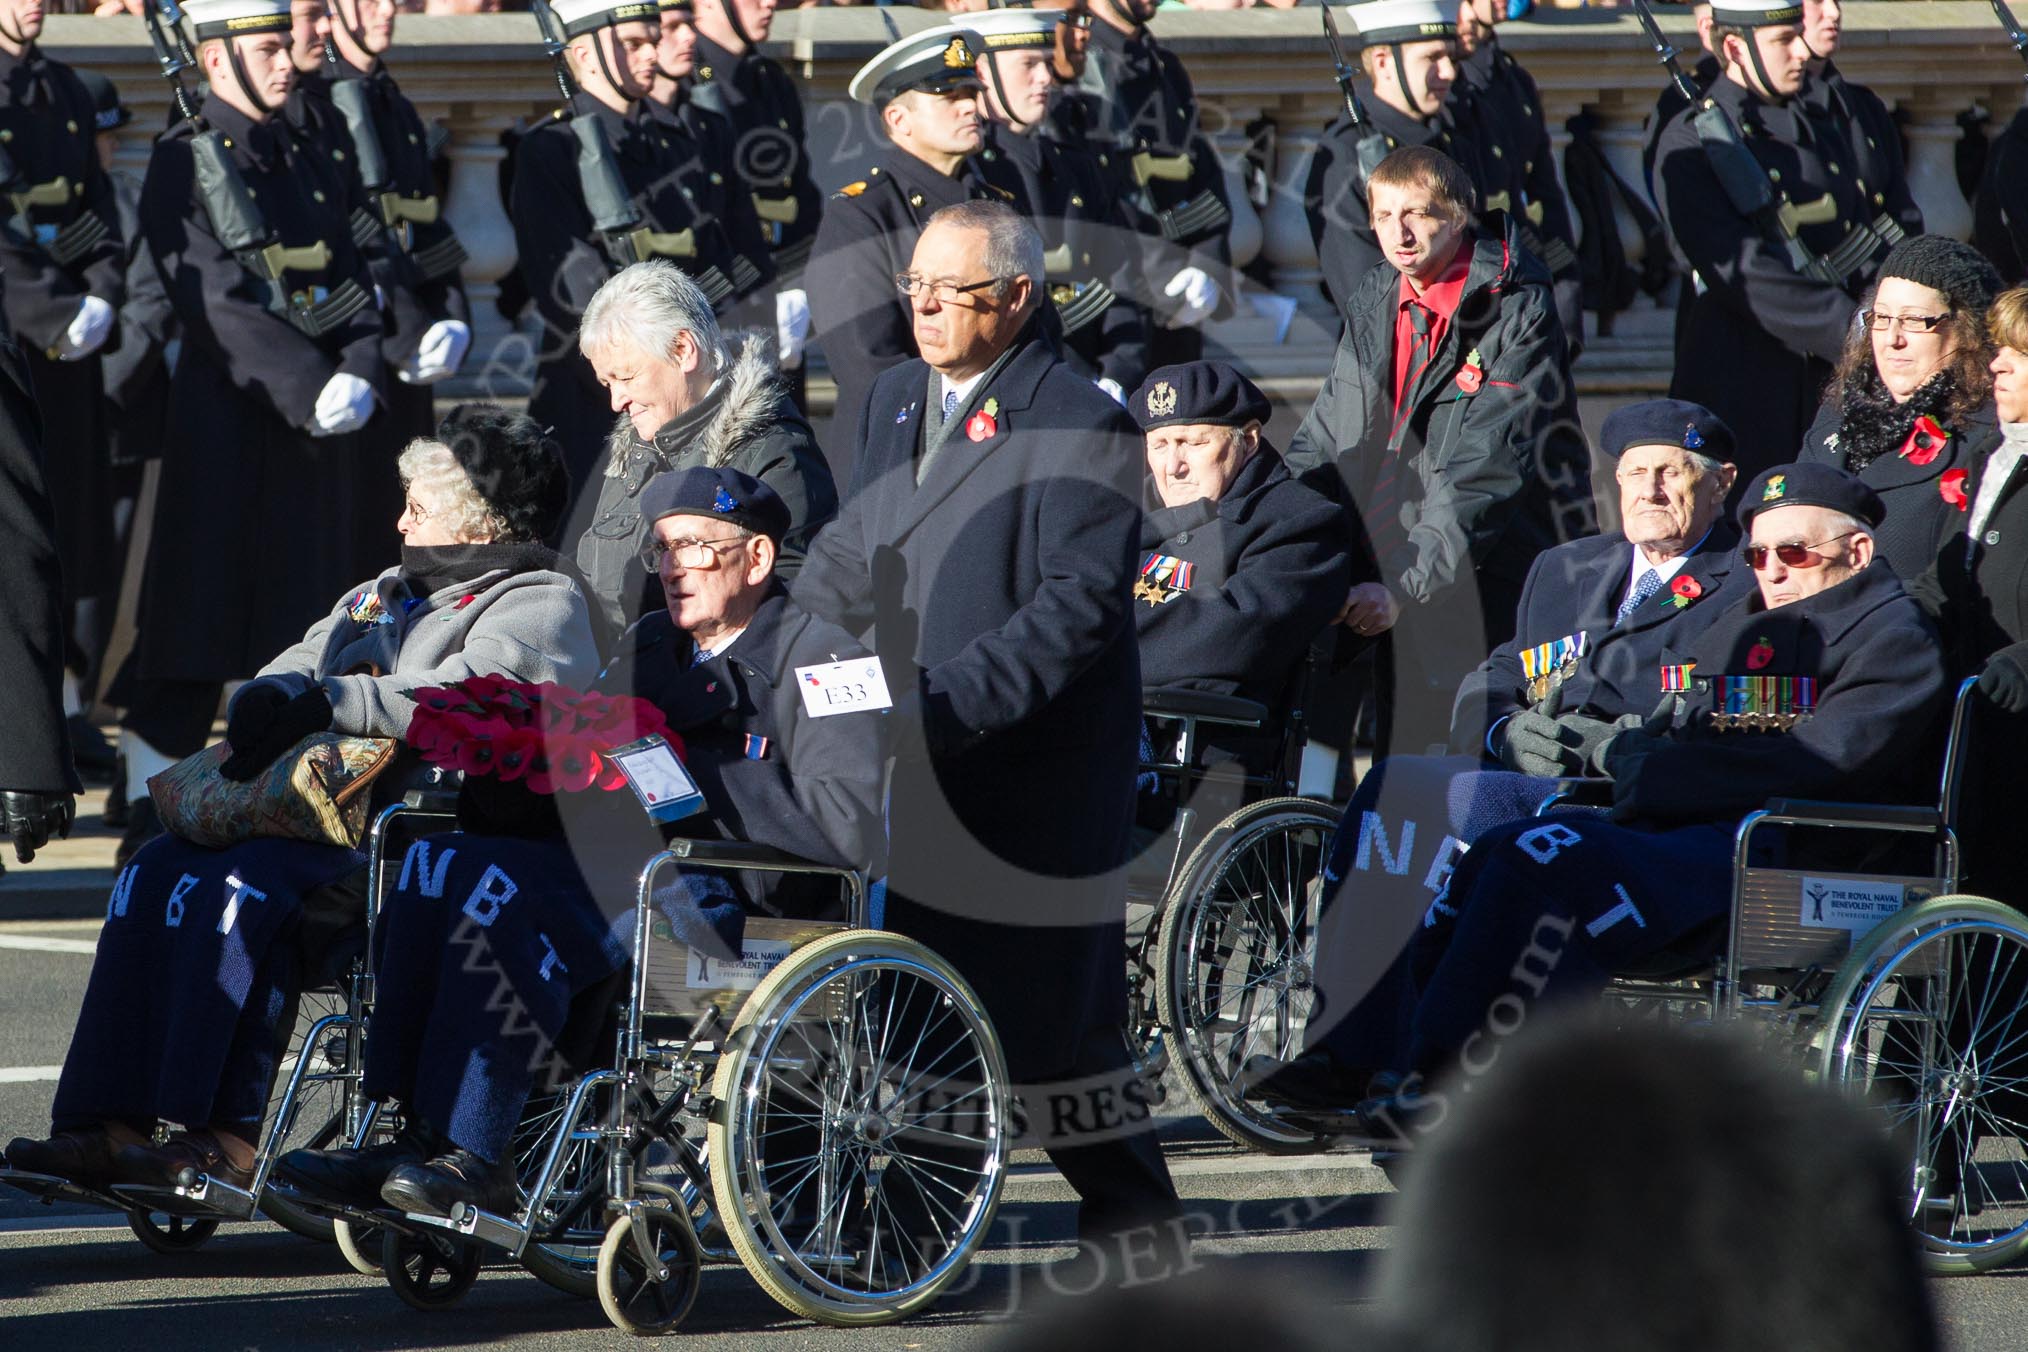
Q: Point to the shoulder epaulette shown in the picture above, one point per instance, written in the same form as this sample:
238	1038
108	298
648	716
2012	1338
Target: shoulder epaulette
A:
851	189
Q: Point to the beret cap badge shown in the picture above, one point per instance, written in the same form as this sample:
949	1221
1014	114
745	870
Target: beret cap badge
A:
1692	438
723	501
1162	399
1775	488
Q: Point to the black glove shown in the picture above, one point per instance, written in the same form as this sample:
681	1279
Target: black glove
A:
1586	737
2005	680
1530	744
251	711
307	713
31	818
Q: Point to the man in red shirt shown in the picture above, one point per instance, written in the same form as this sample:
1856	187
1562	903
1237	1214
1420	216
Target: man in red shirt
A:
1448	427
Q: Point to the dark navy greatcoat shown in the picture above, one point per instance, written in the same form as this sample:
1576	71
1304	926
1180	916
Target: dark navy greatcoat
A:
668	173
761	102
1073	202
1006	578
2000	207
868	235
1576	589
1757	313
243	394
1917	511
35	749
771	774
1268	571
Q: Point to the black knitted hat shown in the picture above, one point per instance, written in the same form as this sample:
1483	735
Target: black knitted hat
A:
513	462
1950	266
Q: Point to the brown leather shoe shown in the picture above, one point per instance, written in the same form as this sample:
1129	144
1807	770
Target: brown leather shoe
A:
82	1155
162	1166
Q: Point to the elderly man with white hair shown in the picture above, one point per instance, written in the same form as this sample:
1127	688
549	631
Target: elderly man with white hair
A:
684	399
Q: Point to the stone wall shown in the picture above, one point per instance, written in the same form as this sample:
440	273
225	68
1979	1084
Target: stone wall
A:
1934	60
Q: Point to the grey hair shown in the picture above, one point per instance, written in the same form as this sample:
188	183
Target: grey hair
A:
645	305
430	471
1013	245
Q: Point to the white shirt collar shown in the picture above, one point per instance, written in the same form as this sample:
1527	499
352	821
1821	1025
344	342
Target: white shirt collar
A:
1667	569
963	388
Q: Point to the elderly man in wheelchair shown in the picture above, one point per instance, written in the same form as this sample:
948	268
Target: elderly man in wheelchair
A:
1825	683
473	998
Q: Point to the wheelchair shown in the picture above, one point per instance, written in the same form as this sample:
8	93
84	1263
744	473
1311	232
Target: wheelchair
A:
313	1104
1219	939
831	1112
1914	1001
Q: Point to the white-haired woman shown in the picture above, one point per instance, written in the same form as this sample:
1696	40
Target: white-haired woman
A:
204	951
685	399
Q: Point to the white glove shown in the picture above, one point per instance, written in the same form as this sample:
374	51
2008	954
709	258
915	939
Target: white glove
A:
344	405
88	331
1199	298
440	354
1112	387
792	326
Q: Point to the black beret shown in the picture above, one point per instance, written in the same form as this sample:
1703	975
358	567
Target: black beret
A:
1666	422
1198	392
702	490
1809	484
514	463
1963	274
107	110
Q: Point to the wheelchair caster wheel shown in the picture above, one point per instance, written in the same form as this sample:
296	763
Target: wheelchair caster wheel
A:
359	1243
647	1294
428	1270
165	1232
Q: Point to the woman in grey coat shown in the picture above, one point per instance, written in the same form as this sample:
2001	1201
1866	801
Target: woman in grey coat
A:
194	985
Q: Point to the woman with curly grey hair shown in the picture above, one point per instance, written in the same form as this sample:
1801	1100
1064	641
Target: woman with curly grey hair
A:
204	951
1910	408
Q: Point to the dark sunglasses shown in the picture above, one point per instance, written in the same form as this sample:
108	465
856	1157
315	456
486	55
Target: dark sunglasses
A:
1795	556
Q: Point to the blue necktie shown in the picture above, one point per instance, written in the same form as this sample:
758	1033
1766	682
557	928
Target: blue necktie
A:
950	404
1645	586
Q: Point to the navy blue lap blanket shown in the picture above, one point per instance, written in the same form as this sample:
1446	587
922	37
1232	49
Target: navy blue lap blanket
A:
195	973
480	949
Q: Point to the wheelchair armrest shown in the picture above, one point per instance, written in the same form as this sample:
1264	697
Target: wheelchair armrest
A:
1576	793
740	854
431	798
1203	705
1889	815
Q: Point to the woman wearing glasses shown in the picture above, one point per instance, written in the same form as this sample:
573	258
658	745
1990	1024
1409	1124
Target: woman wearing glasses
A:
1910	408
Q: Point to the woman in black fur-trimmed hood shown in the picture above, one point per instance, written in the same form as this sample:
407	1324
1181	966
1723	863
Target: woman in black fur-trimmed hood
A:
1910	409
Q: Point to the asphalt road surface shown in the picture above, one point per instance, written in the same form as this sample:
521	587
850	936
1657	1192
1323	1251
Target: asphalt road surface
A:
1307	1228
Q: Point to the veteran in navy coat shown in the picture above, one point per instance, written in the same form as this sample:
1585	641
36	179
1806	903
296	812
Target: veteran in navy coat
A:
1242	565
1826	683
989	541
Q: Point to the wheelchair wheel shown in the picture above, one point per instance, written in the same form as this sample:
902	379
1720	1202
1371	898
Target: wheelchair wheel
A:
320	1106
360	1245
649	1294
1926	1026
859	1139
571	1228
429	1269
167	1232
1235	961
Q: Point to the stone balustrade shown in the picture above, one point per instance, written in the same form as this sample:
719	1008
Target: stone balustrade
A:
1932	60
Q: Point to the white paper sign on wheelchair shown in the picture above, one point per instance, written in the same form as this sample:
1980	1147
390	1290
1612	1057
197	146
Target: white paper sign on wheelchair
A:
1848	903
658	779
843	687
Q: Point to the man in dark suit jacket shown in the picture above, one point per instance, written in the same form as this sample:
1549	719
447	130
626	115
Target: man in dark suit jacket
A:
989	538
1595	619
36	775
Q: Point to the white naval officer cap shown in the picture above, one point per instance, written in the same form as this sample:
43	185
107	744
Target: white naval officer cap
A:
582	16
1753	13
235	18
1003	30
937	59
1403	20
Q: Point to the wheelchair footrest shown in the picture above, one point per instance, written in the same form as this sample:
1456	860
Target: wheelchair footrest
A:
171	1201
502	1232
50	1188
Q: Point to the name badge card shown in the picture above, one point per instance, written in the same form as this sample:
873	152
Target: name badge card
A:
843	687
658	779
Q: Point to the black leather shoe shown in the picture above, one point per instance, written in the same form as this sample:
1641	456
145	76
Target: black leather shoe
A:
187	1152
1400	1119
433	1188
1313	1081
82	1156
354	1177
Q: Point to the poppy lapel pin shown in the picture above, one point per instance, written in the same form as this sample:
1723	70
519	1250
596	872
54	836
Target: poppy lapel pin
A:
1926	441
1952	489
1759	655
1682	591
1472	374
985	422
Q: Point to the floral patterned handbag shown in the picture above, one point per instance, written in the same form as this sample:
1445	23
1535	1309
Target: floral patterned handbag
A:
319	790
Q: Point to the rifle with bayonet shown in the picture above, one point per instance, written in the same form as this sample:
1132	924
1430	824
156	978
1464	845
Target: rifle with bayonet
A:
2014	30
1742	177
236	220
1370	146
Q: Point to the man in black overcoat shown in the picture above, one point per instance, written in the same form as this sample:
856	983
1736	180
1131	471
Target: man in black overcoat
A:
989	542
36	775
